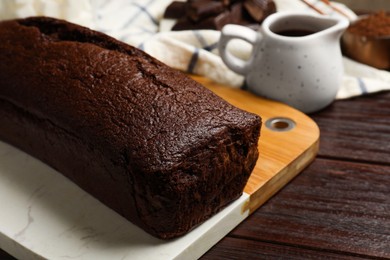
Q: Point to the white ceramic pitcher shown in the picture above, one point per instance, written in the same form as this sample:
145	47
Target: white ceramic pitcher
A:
304	70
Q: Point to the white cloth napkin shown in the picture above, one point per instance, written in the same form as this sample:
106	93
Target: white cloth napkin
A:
138	22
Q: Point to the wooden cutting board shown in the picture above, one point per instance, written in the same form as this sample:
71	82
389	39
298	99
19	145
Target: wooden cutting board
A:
283	152
45	216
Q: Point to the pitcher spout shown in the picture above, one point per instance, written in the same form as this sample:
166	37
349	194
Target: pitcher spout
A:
288	24
340	24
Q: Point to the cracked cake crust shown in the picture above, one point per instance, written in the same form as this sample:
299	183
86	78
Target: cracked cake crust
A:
146	140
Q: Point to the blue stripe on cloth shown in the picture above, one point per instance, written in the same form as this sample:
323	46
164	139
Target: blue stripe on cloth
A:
142	10
362	85
193	61
145	10
211	46
203	41
200	38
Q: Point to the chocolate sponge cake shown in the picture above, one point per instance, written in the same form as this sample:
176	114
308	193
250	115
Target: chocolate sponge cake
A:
146	140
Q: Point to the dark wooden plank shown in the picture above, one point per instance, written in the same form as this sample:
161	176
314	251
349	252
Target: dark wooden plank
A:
335	206
234	248
356	129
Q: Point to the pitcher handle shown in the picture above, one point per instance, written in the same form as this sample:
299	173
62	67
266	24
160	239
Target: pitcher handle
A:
230	32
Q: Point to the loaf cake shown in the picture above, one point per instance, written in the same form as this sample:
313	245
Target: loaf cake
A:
144	139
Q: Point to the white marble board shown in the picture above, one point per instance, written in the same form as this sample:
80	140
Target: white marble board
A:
45	216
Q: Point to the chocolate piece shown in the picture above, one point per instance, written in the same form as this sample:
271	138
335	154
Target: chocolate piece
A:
223	19
185	24
225	2
202	9
218	22
213	14
175	10
271	8
259	9
211	23
236	14
146	140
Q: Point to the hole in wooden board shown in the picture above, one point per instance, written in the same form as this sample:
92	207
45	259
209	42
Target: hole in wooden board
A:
280	124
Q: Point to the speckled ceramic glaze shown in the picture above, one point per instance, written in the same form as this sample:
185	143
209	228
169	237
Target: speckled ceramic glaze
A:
302	71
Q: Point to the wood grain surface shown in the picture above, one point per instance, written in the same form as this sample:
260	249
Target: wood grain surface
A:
338	207
357	129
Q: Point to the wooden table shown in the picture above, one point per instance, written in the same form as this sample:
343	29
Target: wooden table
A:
338	207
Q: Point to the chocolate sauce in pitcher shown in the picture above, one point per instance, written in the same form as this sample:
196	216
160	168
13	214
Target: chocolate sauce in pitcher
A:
295	32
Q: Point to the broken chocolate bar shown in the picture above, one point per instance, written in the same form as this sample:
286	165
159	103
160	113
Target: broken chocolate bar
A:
175	10
214	14
212	23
